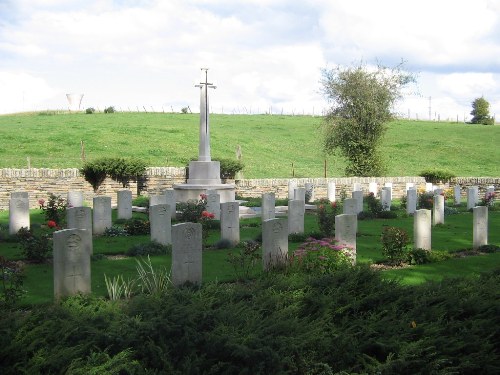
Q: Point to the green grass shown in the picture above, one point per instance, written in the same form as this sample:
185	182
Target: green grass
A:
270	144
455	235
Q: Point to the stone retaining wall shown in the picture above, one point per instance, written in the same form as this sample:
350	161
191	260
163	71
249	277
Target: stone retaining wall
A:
41	182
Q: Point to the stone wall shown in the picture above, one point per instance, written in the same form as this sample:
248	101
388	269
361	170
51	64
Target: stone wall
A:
41	182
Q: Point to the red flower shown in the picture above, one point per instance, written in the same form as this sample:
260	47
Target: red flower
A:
203	196
206	214
334	204
51	224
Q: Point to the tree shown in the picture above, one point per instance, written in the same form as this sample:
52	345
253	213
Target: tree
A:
481	112
362	102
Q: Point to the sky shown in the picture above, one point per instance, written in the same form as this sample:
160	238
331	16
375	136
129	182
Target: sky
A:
264	56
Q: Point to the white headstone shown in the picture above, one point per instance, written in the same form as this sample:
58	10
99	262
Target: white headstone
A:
19	214
389	185
456	194
428	187
186	253
214	205
160	221
268	206
373	188
438	191
170	200
386	198
480	226
300	194
20	194
101	215
345	232
330	191
472	197
124	199
71	254
409	185
274	243
422	229
296	210
438	210
157	199
411	201
230	222
358	196
350	206
74	199
292	185
309	186
80	218
357	187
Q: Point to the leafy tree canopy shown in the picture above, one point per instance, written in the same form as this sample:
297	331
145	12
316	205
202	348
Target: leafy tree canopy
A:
481	112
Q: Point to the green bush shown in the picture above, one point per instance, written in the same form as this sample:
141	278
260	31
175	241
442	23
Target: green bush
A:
425	200
388	215
326	212
374	205
95	172
11	287
34	248
418	256
109	110
115	231
137	227
436	175
90	110
394	242
149	248
141	201
119	169
488	248
54	209
229	168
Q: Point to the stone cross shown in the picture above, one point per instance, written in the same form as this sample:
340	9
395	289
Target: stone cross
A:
204	147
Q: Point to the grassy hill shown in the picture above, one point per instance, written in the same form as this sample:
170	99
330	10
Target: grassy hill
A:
270	144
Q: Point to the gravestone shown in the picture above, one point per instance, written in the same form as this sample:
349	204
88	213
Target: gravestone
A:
20	194
19	214
428	187
373	188
230	222
170	200
357	187
480	226
409	185
330	191
489	195
274	243
350	207
472	197
411	201
101	215
422	229
386	198
296	210
80	218
292	185
309	186
300	194
268	206
438	210
438	191
213	204
157	199
358	196
74	199
124	204
456	194
345	232
186	253
160	221
389	185
71	257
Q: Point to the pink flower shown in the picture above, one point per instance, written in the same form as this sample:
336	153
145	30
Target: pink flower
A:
51	224
203	196
41	202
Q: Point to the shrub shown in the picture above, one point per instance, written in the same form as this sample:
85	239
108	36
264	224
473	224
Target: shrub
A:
11	286
418	256
387	215
298	237
125	170
229	168
141	201
34	248
321	256
90	110
149	248
436	175
488	199
191	210
54	209
394	243
326	213
109	110
223	243
488	248
244	260
115	231
137	227
95	173
374	205
425	200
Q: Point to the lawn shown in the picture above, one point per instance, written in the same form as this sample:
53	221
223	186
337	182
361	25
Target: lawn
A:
270	144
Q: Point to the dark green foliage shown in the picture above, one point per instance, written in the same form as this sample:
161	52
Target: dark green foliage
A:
362	103
54	209
141	201
94	172
115	231
481	112
488	248
374	205
119	169
351	321
11	282
109	110
418	256
436	175
229	168
394	241
34	248
388	215
298	237
90	110
425	200
326	212
244	259
137	227
223	243
191	211
149	248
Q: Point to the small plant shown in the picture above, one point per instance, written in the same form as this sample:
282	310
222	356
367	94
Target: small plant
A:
184	110
229	168
394	243
488	199
223	243
488	248
34	248
141	201
326	212
191	210
54	209
418	256
155	282
90	110
11	285
322	256
117	287
403	202
206	223
426	200
245	259
115	231
149	248
436	175
109	110
374	205
137	227
298	237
